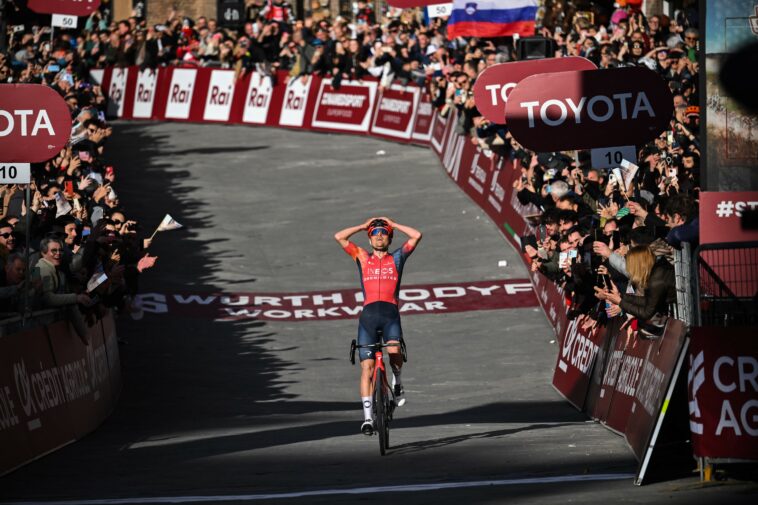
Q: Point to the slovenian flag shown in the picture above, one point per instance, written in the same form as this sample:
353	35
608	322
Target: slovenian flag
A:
492	18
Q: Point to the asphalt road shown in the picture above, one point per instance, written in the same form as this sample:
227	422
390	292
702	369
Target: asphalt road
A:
268	411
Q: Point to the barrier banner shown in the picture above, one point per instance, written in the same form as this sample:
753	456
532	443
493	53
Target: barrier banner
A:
117	92
576	360
347	109
440	127
395	112
260	94
218	100
180	93
53	389
33	417
595	392
656	428
111	350
144	93
422	128
723	393
90	402
295	102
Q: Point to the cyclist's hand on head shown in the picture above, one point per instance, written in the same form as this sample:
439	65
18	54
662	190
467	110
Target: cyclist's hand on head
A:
365	225
388	220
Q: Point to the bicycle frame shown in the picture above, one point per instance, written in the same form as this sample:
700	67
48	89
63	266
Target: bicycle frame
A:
379	365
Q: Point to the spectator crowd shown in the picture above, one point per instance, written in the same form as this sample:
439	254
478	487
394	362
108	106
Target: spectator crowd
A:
85	254
605	236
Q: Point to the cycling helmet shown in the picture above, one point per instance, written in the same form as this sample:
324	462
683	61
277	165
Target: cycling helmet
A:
380	223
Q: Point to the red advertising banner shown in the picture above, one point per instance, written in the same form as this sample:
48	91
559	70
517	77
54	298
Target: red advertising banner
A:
720	213
576	360
343	303
347	109
495	83
422	128
35	123
656	426
588	109
440	126
53	389
395	112
69	7
723	393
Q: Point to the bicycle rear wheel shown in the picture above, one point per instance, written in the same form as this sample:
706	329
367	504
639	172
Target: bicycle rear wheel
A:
381	412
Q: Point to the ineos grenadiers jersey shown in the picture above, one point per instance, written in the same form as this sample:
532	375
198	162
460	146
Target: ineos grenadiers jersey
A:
380	277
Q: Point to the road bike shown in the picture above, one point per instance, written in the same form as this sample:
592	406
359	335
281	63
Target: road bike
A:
384	396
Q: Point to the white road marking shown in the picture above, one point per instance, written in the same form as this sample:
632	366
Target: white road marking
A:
407	488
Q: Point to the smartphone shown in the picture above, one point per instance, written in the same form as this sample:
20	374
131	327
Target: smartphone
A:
77	205
86	232
573	253
53	68
669	137
69	188
562	259
672	172
18	28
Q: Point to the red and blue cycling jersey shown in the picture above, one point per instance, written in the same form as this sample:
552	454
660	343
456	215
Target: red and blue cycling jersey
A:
380	276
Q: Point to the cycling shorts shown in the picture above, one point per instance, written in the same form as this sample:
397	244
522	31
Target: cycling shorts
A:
378	316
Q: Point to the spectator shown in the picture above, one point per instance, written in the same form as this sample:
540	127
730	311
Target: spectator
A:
55	290
653	282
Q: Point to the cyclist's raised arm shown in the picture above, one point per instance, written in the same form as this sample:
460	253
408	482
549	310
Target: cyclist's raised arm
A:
342	236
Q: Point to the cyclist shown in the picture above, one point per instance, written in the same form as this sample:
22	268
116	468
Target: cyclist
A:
380	274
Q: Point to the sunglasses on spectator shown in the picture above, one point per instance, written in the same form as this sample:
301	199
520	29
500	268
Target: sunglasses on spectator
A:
5	235
690	38
55	251
378	231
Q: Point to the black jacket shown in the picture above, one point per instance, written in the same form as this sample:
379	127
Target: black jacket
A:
659	294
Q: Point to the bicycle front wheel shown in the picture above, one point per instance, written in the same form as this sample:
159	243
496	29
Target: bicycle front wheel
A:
381	412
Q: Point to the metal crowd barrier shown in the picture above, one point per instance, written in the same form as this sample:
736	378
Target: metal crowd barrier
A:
726	284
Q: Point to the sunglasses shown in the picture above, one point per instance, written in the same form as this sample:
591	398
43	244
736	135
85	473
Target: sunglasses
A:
5	235
55	251
378	231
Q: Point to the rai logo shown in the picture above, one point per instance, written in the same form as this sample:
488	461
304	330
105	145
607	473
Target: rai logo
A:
471	8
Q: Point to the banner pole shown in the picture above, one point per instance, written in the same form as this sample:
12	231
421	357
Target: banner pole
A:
27	275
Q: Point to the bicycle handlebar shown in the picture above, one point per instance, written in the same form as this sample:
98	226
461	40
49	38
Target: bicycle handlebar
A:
378	345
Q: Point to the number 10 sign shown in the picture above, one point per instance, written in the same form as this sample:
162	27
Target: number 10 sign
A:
15	173
611	157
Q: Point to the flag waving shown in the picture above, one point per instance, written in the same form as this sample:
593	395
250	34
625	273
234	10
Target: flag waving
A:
169	223
492	18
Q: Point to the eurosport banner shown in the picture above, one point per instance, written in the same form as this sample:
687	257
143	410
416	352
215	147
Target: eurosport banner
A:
348	108
395	112
723	393
53	388
343	303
